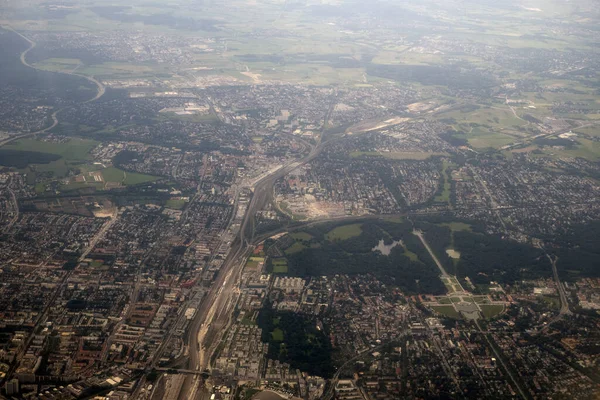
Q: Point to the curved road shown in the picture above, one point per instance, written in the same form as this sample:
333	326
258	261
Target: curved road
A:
99	93
32	44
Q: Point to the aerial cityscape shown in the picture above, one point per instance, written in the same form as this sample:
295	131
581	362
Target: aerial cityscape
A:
299	199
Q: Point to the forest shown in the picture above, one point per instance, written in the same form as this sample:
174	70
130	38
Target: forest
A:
295	339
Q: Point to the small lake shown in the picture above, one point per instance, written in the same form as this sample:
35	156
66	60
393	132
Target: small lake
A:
386	249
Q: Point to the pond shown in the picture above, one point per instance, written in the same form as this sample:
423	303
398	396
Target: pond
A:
386	249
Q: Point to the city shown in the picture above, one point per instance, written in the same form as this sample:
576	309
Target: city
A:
299	200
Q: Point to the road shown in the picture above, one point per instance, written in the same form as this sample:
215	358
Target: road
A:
564	303
419	234
500	359
100	90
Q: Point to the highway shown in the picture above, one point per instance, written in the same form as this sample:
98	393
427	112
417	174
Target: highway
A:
564	303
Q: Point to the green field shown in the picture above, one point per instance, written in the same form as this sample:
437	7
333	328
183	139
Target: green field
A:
411	255
457	226
344	232
175	204
72	150
113	174
444	196
280	269
301	236
277	335
295	248
491	310
447	311
280	265
588	149
59	64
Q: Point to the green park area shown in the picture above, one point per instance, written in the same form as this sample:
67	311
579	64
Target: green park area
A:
175	204
73	149
280	265
446	310
344	232
491	310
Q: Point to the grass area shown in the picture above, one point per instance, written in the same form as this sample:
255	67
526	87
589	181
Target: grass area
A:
411	255
134	178
295	248
280	265
552	301
395	219
457	226
486	139
71	150
301	236
344	232
491	310
590	130
444	196
277	335
175	204
58	168
115	69
59	64
280	269
588	149
113	174
409	155
447	311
